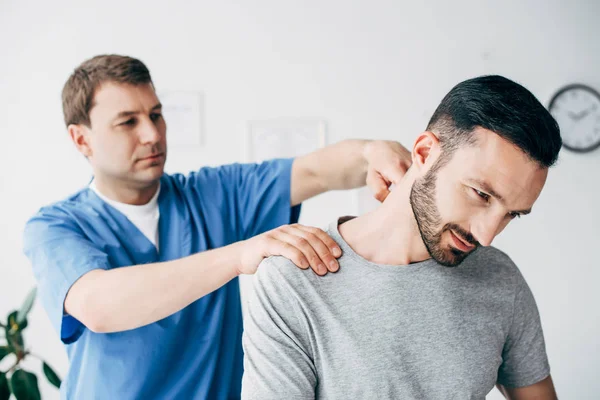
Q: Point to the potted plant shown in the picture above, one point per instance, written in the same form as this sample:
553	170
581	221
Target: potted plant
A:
21	383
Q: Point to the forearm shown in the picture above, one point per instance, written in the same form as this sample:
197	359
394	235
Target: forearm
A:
543	390
129	297
340	166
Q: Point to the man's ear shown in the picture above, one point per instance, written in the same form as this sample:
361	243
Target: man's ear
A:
80	136
425	150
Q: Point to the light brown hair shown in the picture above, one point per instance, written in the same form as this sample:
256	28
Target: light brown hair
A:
78	92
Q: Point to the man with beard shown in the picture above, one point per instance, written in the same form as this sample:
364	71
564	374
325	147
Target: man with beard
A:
422	307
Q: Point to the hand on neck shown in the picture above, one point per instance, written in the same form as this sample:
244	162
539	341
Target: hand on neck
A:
388	235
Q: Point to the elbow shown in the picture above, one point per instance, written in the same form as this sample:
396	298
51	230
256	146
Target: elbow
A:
97	324
85	304
90	314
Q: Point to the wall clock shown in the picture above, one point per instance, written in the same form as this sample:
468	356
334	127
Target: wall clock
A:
576	108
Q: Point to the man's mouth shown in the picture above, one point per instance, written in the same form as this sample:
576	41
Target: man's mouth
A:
461	243
152	157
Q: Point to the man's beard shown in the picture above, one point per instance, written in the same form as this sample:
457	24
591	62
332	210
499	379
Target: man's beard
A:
422	201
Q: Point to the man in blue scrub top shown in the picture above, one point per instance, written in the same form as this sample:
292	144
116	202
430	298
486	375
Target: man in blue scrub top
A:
138	271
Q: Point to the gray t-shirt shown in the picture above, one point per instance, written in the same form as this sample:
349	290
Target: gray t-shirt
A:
369	331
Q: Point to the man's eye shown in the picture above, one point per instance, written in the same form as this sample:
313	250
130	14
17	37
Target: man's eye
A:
129	122
484	196
155	117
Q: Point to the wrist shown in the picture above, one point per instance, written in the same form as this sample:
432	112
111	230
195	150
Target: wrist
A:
235	257
233	260
367	151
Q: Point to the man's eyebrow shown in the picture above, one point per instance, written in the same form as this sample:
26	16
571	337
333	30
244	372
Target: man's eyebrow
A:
487	188
123	114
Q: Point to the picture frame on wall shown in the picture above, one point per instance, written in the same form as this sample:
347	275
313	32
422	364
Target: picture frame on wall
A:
183	112
283	138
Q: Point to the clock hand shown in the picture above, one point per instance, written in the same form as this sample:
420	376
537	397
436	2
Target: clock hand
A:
586	112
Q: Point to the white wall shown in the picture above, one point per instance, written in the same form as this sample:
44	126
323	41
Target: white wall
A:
372	69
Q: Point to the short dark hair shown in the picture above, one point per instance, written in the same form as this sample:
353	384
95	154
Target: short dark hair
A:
499	105
78	92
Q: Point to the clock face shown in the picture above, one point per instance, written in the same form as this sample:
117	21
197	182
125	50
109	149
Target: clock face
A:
576	108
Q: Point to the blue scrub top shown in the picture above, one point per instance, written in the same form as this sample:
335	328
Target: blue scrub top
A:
195	353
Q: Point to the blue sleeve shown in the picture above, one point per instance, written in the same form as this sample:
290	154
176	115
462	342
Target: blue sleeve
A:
60	254
259	195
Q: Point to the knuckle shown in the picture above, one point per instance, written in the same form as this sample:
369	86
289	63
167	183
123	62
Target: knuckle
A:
299	254
328	260
317	232
299	261
301	243
314	260
310	237
322	250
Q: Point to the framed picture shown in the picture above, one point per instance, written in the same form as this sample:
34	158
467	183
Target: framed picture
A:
283	138
184	114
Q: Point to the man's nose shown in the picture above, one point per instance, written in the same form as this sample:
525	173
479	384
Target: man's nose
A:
148	132
487	228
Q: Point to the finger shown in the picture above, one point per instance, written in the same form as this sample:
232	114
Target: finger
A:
390	159
329	242
394	169
306	248
396	174
276	247
378	185
321	243
334	248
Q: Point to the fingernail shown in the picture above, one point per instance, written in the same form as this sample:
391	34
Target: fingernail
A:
337	252
322	269
333	266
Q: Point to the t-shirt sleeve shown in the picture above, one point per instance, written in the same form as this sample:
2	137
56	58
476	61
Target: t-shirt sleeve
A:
261	195
60	254
524	359
277	356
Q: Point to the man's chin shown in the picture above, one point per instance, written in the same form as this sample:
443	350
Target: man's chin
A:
452	257
152	172
147	178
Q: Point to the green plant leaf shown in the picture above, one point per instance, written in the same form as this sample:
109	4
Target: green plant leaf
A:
14	338
12	322
24	385
4	351
51	375
4	389
15	343
26	307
